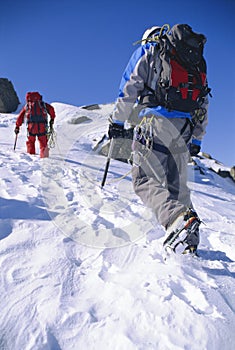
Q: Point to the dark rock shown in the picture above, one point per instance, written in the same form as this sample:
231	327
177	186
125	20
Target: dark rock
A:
223	173
8	98
79	120
91	107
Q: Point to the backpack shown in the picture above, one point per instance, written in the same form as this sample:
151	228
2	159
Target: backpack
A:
182	83
35	108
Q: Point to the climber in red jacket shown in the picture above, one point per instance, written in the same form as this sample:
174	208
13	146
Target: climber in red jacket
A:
35	111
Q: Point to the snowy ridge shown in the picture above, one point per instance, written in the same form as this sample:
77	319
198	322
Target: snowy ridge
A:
82	268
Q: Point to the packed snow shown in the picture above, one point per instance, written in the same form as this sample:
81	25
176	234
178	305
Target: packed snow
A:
84	268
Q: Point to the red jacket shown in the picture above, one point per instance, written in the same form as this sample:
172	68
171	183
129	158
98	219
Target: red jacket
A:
35	128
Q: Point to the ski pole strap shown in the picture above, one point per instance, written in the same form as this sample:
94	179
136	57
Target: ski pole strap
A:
120	178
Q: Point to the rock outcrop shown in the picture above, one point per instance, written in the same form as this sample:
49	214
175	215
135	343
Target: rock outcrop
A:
8	98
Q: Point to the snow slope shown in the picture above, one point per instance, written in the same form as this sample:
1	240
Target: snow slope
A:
82	268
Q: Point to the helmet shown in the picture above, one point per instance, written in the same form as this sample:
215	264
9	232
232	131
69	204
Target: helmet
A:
150	34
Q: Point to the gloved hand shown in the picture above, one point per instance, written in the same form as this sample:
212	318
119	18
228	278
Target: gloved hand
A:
116	130
194	149
17	130
51	123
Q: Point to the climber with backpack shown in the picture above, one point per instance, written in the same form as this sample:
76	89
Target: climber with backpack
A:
35	112
165	81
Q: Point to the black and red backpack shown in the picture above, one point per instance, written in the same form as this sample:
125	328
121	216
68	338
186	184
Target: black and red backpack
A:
35	109
182	83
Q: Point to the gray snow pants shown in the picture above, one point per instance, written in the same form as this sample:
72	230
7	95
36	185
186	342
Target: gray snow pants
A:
160	179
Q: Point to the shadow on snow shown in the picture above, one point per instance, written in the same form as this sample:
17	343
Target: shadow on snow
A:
17	209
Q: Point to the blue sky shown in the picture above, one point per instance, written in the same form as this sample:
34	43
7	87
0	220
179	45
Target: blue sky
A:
75	52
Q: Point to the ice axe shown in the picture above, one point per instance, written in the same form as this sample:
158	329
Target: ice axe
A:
15	141
108	162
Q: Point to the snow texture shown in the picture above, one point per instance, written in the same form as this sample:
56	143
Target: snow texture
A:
83	267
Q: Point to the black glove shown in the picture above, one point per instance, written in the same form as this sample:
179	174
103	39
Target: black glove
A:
17	130
51	123
194	149
116	131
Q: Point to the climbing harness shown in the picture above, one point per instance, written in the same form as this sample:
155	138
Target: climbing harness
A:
143	140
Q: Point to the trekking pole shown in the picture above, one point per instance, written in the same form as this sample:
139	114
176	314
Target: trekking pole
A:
108	162
15	141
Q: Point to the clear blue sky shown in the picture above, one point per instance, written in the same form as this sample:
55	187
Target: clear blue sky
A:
75	52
